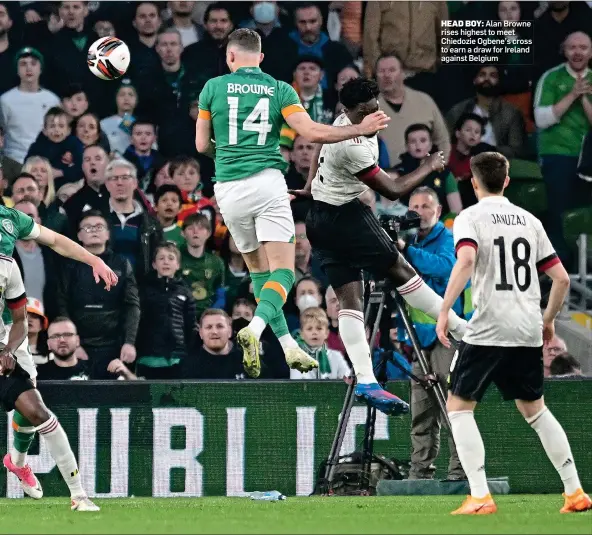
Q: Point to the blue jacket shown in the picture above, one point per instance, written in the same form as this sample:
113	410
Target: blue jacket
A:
433	258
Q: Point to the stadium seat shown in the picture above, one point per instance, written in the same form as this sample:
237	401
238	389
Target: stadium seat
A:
528	194
525	170
576	222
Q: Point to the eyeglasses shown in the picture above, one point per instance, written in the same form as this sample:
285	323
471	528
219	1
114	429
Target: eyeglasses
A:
93	228
117	178
65	336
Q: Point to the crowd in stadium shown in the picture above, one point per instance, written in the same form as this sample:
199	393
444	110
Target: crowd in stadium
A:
114	164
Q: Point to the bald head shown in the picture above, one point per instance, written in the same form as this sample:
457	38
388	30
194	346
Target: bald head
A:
578	51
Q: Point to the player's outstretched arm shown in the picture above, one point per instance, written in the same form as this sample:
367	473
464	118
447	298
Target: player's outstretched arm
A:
70	249
203	137
322	133
393	186
559	290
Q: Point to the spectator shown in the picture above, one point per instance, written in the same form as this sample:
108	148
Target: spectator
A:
66	191
94	194
219	357
301	159
134	232
333	340
565	366
307	294
281	52
236	269
104	28
59	146
314	331
208	57
418	140
25	188
63	341
243	308
555	347
38	264
168	200
141	154
74	101
312	41
308	75
406	106
41	169
88	131
432	255
563	114
306	262
7	51
349	72
167	322
37	331
411	34
4	201
504	125
185	173
202	271
467	133
118	127
181	21
107	321
22	108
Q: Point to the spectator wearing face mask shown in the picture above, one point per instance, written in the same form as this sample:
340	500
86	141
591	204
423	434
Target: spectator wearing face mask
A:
307	294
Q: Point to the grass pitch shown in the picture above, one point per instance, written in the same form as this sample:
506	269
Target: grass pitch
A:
423	514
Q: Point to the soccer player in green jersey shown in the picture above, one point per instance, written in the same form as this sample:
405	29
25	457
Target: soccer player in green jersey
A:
244	111
15	225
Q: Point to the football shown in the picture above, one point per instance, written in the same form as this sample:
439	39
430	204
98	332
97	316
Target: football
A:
108	58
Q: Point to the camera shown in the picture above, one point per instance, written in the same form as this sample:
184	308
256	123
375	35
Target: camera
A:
397	224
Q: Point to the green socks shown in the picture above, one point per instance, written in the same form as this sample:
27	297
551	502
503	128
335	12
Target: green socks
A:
23	435
274	288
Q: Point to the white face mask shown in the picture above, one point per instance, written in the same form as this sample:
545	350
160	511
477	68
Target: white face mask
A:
264	12
307	301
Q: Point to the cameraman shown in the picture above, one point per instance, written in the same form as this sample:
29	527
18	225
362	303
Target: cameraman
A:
432	255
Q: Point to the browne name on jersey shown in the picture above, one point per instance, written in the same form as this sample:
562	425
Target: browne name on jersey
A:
508	219
245	89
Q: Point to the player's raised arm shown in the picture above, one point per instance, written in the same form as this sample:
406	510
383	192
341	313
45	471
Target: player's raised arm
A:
70	249
203	125
16	300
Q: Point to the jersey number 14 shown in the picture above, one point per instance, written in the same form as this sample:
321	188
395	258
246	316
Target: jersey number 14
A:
257	121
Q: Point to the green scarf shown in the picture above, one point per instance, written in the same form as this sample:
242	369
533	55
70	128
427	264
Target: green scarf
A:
314	106
318	353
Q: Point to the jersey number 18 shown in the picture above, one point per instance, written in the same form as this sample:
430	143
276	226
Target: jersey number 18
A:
520	262
257	121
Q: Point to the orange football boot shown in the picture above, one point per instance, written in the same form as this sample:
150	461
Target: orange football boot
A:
579	501
476	506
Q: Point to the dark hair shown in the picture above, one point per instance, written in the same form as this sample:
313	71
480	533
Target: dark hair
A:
216	6
143	121
385	56
138	4
245	302
197	219
168	246
469	117
358	91
24	175
91	213
491	170
245	39
55	111
61	319
94	146
307	5
564	365
167	188
309	58
417	127
215	312
96	118
182	161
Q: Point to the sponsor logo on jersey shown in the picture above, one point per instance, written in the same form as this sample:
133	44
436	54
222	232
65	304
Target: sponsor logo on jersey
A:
8	226
208	273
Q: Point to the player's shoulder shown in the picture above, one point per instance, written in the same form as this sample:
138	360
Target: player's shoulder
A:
7	260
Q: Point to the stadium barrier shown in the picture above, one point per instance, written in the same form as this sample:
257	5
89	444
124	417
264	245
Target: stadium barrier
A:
225	438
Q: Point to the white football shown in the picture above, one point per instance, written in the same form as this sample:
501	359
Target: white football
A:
108	58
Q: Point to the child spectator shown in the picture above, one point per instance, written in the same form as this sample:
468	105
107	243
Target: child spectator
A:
167	201
167	322
88	131
236	268
118	127
243	308
141	153
185	174
314	332
41	169
419	144
202	271
75	101
468	132
59	146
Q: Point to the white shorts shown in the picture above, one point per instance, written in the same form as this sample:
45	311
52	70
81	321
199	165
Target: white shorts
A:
256	209
23	355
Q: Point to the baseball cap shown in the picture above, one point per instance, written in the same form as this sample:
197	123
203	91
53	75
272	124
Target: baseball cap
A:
310	59
29	51
34	306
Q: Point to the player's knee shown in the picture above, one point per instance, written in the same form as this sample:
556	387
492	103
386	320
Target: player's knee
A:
401	272
531	410
38	415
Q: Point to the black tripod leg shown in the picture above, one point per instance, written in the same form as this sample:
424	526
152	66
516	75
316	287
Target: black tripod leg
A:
423	364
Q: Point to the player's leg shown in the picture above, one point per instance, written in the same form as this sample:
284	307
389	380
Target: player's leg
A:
348	287
526	386
419	295
471	372
31	406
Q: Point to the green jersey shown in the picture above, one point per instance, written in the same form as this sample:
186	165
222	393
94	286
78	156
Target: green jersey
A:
205	277
247	109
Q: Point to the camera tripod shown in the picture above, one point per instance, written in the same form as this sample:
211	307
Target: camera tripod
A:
380	297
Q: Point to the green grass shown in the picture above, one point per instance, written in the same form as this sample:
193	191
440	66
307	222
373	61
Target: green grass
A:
423	514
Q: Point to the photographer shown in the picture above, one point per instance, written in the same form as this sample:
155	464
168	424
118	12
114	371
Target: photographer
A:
432	255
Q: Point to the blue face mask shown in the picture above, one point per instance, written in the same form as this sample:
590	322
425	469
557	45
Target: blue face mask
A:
264	12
